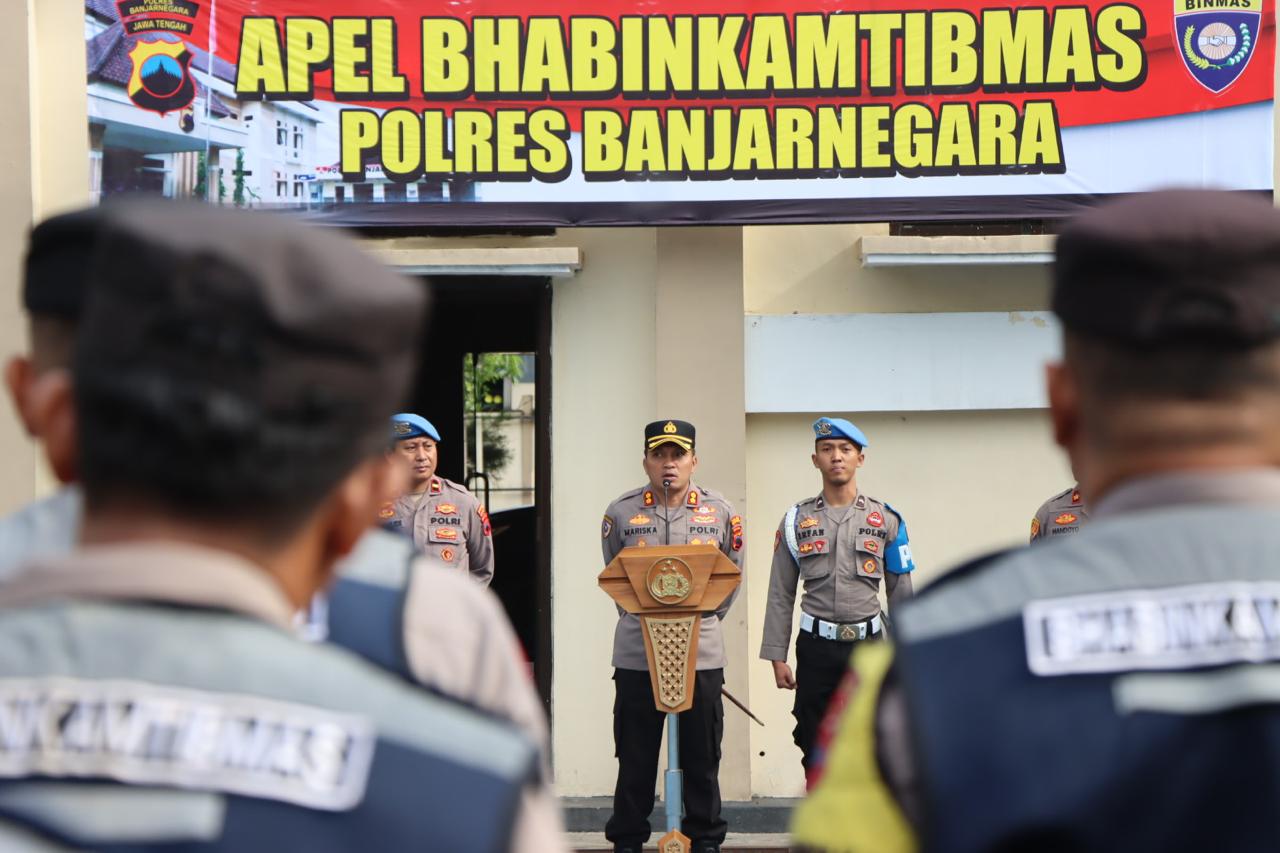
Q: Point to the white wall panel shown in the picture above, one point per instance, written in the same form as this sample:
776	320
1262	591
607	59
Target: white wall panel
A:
898	362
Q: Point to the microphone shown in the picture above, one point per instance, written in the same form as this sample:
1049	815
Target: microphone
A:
666	509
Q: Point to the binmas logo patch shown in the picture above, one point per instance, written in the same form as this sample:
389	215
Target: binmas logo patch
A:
1216	38
144	734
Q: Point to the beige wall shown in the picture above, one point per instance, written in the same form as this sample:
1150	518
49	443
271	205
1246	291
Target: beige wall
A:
19	466
815	269
44	169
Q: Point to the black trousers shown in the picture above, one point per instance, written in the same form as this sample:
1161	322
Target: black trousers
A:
637	735
820	665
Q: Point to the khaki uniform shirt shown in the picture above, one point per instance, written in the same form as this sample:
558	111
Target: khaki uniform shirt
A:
448	523
841	563
209	579
1059	516
638	519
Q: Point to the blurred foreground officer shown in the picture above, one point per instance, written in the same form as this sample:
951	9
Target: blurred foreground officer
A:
644	517
841	544
1061	515
445	520
226	370
389	604
1117	689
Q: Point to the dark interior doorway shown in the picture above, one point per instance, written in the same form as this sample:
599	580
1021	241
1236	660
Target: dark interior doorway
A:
507	318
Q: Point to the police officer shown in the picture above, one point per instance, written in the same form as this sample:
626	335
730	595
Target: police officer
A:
1118	689
227	461
668	508
390	603
1061	515
842	543
445	520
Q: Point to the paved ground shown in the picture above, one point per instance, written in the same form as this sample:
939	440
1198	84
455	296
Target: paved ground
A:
737	842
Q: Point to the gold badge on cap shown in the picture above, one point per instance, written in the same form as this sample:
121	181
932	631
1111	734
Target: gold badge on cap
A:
670	428
824	428
403	428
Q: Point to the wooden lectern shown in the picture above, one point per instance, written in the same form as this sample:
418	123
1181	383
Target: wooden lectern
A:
669	587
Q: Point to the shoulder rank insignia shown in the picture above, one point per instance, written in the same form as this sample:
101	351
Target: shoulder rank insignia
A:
860	502
693	497
1075	497
436	486
648	498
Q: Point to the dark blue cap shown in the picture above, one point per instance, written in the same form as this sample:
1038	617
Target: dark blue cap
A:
838	428
408	425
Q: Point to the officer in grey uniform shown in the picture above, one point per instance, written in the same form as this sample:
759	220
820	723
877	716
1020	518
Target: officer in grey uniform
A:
668	508
1063	514
842	544
1116	689
445	520
229	453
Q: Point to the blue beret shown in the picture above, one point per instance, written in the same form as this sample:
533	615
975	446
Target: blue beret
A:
838	428
406	425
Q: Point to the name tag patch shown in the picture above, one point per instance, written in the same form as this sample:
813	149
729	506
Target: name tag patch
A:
1179	628
144	734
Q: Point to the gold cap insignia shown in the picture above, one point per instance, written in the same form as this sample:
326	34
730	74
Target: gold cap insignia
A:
824	428
670	428
403	428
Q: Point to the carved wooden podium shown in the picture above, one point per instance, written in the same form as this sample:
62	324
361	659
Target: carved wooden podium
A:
669	587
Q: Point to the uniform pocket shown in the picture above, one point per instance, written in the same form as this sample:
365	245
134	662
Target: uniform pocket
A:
870	564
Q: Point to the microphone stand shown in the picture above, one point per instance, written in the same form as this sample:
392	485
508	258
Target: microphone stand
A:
673	788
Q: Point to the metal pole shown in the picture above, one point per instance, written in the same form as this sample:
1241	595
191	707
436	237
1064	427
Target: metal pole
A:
674	787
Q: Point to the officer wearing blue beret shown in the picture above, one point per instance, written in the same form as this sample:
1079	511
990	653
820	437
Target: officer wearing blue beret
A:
1111	688
842	543
444	519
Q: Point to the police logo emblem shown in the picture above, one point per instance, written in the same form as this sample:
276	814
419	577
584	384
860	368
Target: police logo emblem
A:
160	80
670	428
606	527
875	519
447	555
402	428
869	566
1215	38
847	633
823	428
669	581
1035	527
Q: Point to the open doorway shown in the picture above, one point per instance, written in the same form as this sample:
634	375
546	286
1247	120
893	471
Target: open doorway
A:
485	382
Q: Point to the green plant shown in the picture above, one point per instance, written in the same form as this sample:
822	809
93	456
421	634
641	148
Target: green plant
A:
237	194
482	384
201	190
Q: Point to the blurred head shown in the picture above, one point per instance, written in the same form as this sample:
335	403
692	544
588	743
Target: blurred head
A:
669	455
231	371
413	444
53	287
1170	306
